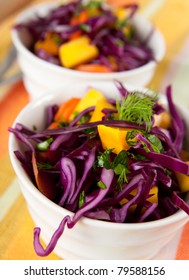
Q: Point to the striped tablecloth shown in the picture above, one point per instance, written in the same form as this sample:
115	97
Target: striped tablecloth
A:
16	226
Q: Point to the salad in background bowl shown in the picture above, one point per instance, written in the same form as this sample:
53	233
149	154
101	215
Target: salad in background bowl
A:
104	170
85	41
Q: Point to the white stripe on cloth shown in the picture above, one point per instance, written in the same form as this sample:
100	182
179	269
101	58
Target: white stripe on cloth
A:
8	198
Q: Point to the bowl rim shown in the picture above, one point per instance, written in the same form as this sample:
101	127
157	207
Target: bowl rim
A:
60	69
24	179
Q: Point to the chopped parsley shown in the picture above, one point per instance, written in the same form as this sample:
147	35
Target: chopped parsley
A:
101	185
43	146
81	199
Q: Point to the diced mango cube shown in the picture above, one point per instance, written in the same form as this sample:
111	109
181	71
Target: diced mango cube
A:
113	138
77	51
183	181
90	99
100	105
49	44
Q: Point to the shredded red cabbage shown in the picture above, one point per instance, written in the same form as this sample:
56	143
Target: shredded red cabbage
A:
115	38
87	178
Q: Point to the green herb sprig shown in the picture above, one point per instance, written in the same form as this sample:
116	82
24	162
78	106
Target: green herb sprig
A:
137	108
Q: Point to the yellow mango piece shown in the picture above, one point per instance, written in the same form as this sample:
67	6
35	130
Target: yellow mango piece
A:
183	181
90	99
100	105
113	138
154	197
77	51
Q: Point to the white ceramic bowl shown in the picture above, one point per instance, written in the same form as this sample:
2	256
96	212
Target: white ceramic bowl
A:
40	76
89	238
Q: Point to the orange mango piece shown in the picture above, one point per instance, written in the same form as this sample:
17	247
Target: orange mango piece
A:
114	138
49	44
77	51
183	181
100	105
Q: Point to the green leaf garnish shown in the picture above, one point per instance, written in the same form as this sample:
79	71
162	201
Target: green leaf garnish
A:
131	135
155	143
137	108
103	160
81	199
119	42
85	27
119	165
101	185
94	4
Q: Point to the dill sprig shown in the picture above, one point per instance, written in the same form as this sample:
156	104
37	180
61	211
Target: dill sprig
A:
137	108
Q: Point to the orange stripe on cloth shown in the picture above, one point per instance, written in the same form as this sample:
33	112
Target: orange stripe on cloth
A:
183	249
10	106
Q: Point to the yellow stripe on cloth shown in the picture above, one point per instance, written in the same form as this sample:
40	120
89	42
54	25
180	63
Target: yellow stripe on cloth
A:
172	21
17	243
7	173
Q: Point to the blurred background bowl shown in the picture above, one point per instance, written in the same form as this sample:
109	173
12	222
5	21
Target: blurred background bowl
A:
89	238
40	76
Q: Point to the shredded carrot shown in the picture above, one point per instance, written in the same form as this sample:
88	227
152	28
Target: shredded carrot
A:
98	68
76	34
66	109
53	125
121	3
81	18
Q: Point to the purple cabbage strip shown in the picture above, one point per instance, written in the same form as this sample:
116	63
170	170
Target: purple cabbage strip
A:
65	130
148	212
81	114
54	239
68	178
60	139
89	162
106	177
177	122
51	111
166	161
22	138
98	215
179	202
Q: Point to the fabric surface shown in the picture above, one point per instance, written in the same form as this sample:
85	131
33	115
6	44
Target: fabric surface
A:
16	225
